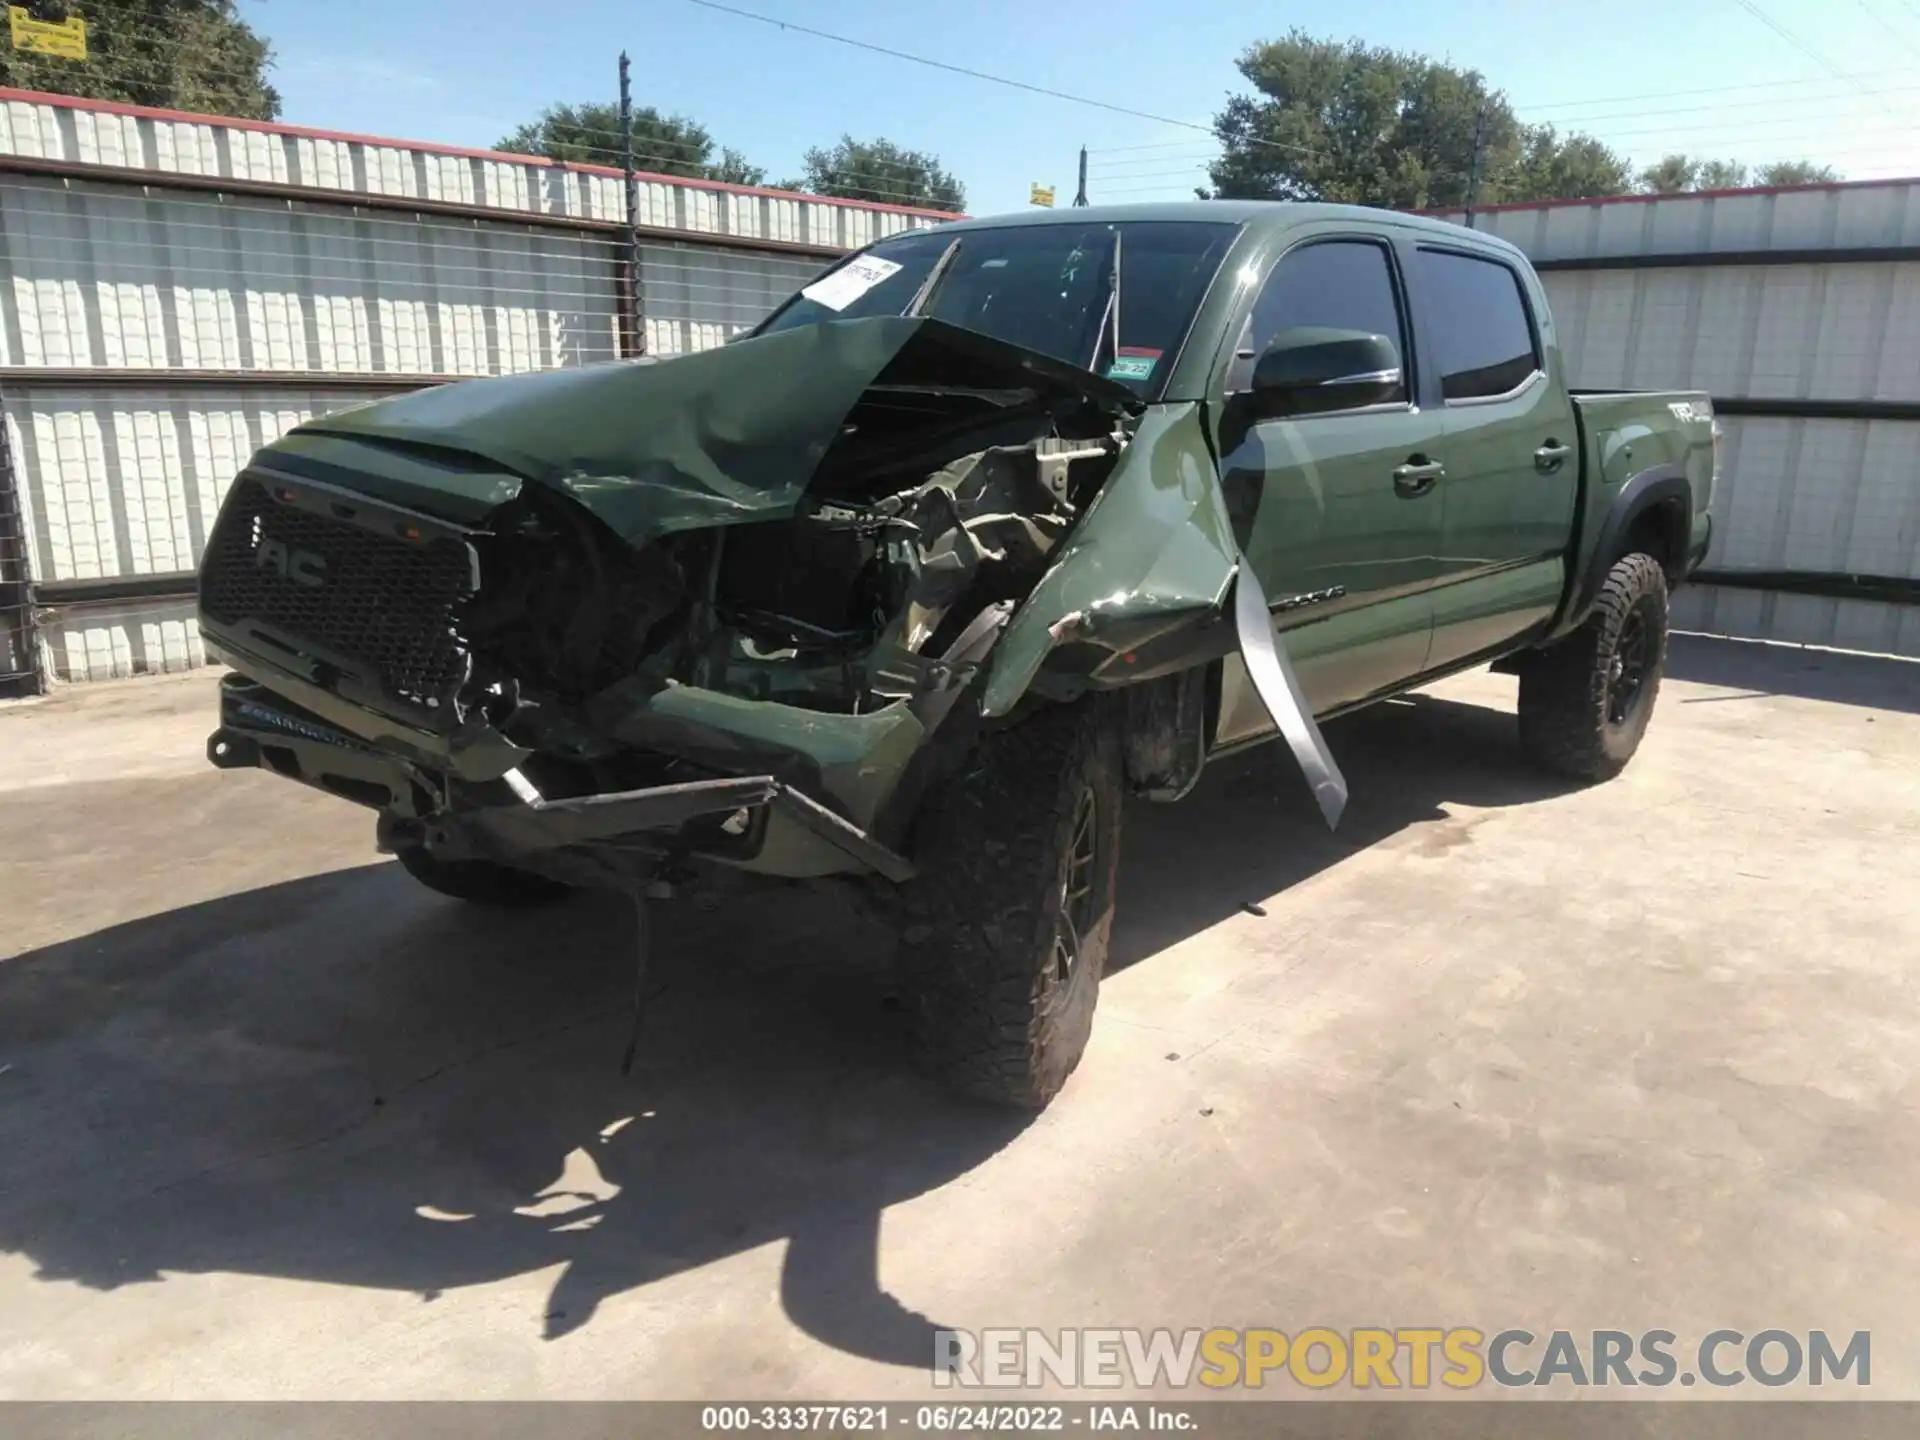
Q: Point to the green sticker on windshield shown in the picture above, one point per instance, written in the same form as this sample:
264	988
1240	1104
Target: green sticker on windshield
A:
1133	365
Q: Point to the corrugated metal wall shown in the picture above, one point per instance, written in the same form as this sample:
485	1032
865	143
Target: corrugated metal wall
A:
1868	214
60	131
176	292
128	485
103	276
1799	311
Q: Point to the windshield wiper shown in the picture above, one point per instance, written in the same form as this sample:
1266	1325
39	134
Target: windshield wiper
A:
924	295
1110	320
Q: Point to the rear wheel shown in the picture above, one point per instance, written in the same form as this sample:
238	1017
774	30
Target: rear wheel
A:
480	882
1008	921
1585	702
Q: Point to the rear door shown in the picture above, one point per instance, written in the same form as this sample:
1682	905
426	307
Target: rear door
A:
1513	461
1338	513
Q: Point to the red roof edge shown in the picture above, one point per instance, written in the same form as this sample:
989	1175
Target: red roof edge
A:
348	137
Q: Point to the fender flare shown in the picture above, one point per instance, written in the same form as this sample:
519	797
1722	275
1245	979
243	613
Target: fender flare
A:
1655	486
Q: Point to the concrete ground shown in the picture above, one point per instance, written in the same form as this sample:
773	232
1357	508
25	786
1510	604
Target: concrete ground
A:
274	1122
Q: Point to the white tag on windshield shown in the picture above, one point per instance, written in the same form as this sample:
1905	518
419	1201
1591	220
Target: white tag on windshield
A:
850	282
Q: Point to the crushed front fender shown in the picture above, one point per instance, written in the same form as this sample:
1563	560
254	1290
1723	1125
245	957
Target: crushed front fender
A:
1155	548
1154	559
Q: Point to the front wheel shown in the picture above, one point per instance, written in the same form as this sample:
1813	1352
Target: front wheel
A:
1008	920
1585	702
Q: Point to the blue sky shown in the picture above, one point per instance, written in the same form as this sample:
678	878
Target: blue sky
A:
1709	77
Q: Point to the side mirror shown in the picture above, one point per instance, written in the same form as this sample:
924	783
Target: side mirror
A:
1309	371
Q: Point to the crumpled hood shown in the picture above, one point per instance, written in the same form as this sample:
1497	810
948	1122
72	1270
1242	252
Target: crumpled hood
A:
717	437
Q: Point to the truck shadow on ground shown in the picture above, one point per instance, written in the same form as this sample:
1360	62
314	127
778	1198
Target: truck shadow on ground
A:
1753	670
1251	830
343	1079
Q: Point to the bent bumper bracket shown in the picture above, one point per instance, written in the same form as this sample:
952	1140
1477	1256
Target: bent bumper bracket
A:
538	824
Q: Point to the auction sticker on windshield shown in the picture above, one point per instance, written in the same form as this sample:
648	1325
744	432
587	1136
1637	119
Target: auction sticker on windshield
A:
850	282
1133	363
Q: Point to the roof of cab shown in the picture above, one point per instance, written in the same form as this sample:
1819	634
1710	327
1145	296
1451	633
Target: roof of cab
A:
1255	213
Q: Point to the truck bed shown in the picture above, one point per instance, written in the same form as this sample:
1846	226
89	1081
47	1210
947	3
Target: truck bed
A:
1629	437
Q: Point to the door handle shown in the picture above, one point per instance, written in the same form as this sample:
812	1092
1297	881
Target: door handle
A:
1548	457
1418	475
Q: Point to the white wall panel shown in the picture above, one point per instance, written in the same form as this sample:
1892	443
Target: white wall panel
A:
119	481
127	482
1848	332
1810	494
102	276
1870	625
112	642
1825	217
89	132
696	298
1818	495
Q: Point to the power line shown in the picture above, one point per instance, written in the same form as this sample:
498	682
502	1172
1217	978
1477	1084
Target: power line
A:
1580	123
1162	158
1734	130
1900	37
1713	90
1156	145
1198	162
1149	160
1787	35
1195	169
129	68
972	74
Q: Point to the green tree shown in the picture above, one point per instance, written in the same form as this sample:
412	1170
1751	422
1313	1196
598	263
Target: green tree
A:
1676	174
1549	168
883	172
1369	125
1670	175
1721	175
589	134
177	54
733	168
1795	172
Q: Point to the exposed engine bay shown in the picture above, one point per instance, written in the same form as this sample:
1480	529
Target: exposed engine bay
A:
928	519
732	605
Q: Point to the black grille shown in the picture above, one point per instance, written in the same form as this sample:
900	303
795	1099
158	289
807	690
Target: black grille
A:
387	605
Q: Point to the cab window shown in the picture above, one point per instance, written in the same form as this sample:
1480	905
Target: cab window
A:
1337	284
1482	333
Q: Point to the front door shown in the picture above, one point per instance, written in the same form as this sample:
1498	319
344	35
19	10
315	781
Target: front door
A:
1337	513
1513	459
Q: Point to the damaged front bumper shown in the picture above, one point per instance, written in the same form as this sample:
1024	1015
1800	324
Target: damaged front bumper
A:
758	822
587	651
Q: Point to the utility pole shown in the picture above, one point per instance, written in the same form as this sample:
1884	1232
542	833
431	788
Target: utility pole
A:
1479	149
1080	195
636	316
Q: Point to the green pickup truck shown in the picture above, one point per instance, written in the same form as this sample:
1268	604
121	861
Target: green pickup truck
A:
983	530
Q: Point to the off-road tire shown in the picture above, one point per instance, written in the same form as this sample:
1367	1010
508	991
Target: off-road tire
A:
1582	714
997	1014
480	882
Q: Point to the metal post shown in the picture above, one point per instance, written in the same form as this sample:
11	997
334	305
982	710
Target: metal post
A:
1080	197
19	634
630	258
1479	147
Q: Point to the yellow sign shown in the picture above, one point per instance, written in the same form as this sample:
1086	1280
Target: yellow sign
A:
65	38
1040	195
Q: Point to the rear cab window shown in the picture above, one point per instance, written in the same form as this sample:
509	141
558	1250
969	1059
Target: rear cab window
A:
1484	339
